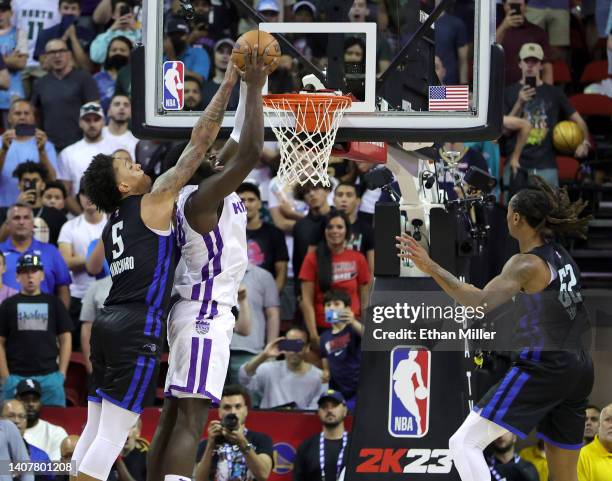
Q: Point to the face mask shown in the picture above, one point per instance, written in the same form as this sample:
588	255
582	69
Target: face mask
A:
116	62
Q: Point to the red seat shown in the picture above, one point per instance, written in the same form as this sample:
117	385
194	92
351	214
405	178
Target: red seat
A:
75	385
568	168
592	104
561	72
595	71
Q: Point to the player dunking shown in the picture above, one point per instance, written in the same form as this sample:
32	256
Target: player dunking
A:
139	246
551	379
211	232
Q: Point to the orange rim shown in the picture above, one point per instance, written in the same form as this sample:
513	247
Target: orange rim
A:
305	107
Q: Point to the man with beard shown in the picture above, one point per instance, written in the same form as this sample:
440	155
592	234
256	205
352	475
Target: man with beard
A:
323	456
176	47
193	94
506	464
117	131
75	158
223	51
40	433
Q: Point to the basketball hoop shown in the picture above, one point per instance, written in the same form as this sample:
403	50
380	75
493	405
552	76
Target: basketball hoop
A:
306	128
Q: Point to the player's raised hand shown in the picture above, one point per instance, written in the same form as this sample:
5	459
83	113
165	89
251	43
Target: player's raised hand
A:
255	70
411	249
231	73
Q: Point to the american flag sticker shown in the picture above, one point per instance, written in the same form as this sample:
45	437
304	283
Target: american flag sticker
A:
449	97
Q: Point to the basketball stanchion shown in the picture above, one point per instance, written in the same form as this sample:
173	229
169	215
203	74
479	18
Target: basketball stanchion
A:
305	125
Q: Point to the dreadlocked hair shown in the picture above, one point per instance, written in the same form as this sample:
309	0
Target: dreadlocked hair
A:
100	184
550	211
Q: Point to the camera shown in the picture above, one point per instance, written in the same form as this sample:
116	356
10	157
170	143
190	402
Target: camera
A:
229	422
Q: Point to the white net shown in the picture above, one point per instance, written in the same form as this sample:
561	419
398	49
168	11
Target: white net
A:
305	126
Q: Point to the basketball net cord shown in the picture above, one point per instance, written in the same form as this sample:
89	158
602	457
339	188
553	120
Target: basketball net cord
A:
305	131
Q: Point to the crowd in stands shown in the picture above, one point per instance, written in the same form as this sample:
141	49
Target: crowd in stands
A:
65	96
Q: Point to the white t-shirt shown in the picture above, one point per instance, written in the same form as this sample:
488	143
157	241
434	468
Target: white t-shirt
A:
74	159
80	234
32	17
46	436
125	141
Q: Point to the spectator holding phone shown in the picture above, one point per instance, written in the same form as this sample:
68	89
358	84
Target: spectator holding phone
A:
340	346
543	106
292	382
514	31
124	24
22	142
48	221
77	38
232	451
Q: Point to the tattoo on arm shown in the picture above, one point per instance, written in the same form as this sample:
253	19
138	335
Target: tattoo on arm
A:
203	135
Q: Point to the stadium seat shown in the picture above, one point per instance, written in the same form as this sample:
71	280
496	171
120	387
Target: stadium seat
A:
75	385
561	72
568	168
594	72
592	104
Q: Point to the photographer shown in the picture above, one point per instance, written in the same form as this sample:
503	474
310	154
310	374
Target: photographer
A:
32	179
22	142
232	451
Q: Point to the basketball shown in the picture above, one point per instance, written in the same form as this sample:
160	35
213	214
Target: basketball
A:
421	392
567	136
252	38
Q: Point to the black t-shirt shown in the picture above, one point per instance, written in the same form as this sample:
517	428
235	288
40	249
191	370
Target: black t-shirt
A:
307	466
136	464
516	470
362	236
31	325
266	246
307	231
229	457
543	111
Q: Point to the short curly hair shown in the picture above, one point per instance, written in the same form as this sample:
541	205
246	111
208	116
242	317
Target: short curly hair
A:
31	167
100	184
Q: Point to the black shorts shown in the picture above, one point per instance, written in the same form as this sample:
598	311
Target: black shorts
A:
125	361
550	395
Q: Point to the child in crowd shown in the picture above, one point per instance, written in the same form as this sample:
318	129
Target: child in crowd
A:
340	346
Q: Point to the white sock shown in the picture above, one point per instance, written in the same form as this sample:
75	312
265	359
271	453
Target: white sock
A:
235	135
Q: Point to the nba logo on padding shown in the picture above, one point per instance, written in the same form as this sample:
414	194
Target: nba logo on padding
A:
174	85
409	392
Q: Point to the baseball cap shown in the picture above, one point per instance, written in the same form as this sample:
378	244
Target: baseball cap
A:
267	6
29	261
224	41
531	50
332	394
177	25
91	108
5	4
305	4
27	386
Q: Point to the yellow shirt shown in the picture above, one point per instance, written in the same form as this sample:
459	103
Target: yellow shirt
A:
595	462
537	457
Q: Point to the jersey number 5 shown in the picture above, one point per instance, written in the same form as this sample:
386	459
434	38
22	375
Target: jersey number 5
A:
117	240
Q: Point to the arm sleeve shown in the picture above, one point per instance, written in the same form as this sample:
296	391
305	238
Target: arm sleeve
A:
62	273
63	321
97	50
308	272
363	271
66	233
255	382
263	445
17	448
4	318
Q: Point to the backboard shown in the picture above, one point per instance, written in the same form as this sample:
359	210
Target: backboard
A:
384	59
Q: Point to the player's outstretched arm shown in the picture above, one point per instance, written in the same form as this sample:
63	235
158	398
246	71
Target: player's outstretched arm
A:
203	205
167	186
524	272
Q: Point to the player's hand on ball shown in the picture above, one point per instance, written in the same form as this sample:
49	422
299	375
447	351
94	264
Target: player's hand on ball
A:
411	249
255	70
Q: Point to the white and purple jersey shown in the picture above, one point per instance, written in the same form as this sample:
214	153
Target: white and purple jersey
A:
212	265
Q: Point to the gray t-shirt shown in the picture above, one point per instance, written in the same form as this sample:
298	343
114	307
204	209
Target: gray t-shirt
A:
261	294
94	298
12	448
277	385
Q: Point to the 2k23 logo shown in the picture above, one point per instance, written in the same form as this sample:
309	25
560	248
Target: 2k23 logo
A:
378	460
